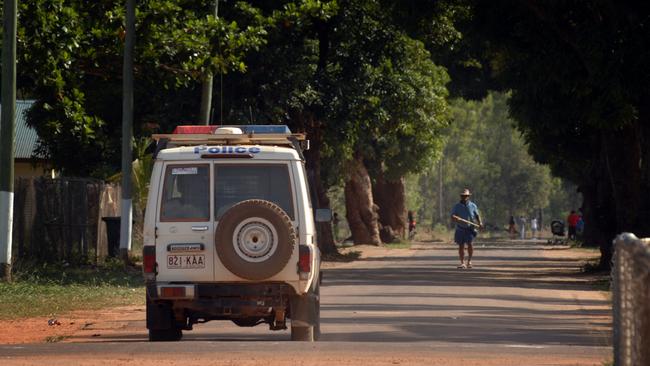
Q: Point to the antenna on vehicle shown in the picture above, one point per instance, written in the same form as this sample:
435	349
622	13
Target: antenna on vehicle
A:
220	72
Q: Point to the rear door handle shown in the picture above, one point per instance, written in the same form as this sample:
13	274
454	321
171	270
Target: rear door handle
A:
199	228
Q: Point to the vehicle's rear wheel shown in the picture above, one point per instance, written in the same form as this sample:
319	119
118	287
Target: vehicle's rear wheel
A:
255	239
302	334
165	335
160	322
305	316
317	314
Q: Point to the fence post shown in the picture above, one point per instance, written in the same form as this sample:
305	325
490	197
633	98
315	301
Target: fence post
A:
630	294
7	136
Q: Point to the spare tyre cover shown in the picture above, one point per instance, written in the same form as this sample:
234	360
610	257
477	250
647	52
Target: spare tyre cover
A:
255	239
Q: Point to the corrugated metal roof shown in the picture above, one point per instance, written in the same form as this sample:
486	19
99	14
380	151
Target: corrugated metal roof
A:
26	136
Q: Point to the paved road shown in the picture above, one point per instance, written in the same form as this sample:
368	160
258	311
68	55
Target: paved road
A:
522	304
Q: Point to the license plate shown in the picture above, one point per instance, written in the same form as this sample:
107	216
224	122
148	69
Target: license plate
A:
186	261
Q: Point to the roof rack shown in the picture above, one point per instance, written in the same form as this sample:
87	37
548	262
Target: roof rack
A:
231	135
226	139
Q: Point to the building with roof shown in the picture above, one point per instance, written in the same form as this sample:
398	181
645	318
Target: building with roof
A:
26	141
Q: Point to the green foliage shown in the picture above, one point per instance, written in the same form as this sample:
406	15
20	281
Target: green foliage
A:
405	127
447	31
578	76
141	174
347	70
352	66
485	153
70	61
398	245
562	199
389	95
185	38
414	198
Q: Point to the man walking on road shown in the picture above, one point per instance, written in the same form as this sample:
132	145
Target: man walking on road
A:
464	214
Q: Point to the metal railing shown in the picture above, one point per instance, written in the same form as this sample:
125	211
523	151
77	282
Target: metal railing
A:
631	300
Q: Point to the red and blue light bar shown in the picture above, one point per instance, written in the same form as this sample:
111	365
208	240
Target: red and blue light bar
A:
246	129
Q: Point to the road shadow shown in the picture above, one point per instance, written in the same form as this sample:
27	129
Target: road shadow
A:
424	298
401	301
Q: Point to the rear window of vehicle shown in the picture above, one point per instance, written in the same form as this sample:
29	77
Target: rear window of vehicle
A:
236	183
186	193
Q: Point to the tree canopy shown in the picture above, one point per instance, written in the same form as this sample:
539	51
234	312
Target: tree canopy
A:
578	77
485	153
369	81
70	61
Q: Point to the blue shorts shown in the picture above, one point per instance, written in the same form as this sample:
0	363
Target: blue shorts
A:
464	235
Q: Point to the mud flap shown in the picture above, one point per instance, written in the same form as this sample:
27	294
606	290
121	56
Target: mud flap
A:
159	315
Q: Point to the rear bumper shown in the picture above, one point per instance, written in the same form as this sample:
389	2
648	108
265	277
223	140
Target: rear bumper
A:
214	291
214	301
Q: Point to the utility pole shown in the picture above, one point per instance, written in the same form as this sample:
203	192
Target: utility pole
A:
126	222
7	136
206	90
440	203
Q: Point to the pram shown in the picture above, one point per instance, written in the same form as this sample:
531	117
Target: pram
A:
557	228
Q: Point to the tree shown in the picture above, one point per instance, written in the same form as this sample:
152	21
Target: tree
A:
578	75
409	134
485	153
355	83
70	62
344	72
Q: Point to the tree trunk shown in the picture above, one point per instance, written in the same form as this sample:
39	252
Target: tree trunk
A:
644	204
391	199
622	160
318	194
600	207
599	217
361	210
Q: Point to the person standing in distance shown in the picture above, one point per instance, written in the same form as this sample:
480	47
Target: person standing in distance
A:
533	227
465	233
572	220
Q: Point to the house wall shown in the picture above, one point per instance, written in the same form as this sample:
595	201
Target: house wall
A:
25	169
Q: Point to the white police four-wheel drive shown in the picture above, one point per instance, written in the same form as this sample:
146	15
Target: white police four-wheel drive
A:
229	232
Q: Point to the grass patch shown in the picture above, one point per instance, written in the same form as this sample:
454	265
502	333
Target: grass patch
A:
54	339
53	289
398	245
349	256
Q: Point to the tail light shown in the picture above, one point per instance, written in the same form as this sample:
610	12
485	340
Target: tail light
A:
172	292
149	262
177	292
304	261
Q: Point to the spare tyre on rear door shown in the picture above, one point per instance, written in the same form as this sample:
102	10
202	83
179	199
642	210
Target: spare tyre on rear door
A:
255	239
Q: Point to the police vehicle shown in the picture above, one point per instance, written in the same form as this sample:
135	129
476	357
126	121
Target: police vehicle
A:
229	232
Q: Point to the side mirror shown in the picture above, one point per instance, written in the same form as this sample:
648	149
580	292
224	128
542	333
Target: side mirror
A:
323	215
